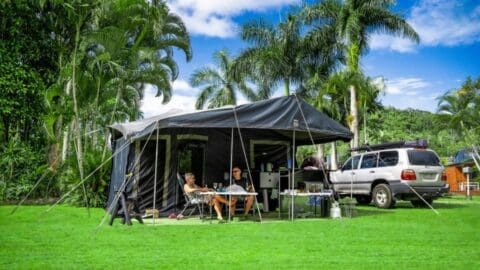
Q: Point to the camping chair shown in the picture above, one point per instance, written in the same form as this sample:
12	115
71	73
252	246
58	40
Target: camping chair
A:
191	203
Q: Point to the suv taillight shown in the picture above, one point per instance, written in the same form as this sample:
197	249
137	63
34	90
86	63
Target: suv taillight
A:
408	175
444	176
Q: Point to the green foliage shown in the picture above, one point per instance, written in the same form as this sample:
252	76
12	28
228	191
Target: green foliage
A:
284	54
219	87
96	185
392	124
21	101
461	109
353	22
103	51
21	167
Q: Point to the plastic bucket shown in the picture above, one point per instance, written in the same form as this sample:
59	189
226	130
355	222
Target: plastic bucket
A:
335	212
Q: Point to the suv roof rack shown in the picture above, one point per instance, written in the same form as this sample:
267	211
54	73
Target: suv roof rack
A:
418	143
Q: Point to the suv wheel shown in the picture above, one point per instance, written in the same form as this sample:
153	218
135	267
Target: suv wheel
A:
363	199
382	196
420	203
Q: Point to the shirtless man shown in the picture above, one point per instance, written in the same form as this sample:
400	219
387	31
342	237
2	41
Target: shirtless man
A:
239	180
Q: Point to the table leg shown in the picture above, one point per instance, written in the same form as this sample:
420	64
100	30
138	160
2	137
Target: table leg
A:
211	214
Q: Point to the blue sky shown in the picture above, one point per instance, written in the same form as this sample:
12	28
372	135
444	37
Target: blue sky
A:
415	75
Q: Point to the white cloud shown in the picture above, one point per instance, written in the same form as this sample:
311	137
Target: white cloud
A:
438	22
405	86
416	93
213	18
183	98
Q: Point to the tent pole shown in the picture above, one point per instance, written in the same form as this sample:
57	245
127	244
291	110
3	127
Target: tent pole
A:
247	163
295	124
155	177
231	168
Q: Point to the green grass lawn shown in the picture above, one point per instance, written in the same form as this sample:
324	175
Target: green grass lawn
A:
400	238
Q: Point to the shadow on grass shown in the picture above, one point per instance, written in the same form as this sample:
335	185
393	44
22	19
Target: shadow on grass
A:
436	205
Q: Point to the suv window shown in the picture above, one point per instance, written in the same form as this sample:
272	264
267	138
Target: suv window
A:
463	156
351	161
421	157
388	158
369	161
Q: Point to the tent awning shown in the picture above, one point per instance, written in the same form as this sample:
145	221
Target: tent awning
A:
276	115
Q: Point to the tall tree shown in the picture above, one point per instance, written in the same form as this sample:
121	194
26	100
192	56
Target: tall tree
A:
460	108
275	54
354	22
333	98
118	48
219	87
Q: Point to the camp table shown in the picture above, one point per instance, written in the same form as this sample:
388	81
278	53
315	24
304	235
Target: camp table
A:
226	193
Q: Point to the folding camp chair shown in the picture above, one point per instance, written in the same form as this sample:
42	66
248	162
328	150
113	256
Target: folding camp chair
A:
191	203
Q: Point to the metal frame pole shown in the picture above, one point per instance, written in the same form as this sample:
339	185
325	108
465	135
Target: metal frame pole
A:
469	197
155	176
295	125
247	164
230	173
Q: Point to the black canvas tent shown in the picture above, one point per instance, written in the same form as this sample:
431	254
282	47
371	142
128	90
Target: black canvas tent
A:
152	151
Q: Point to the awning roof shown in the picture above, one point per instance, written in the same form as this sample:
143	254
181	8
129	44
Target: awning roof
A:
276	115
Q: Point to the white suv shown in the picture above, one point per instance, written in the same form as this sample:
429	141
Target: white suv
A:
386	172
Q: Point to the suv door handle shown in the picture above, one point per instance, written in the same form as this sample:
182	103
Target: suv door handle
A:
372	171
352	173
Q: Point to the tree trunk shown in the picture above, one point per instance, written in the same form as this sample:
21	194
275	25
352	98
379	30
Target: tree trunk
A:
54	149
94	126
65	144
287	87
320	152
333	158
85	134
75	109
365	129
354	115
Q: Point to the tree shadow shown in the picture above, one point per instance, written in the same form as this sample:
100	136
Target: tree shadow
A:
435	205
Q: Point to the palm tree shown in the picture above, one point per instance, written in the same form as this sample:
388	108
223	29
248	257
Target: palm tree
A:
219	87
275	55
354	22
333	98
115	49
152	33
461	108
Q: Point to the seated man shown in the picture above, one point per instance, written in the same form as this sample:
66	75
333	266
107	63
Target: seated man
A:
191	189
239	180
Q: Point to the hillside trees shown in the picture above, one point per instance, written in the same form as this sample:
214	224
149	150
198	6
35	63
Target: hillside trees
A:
460	108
